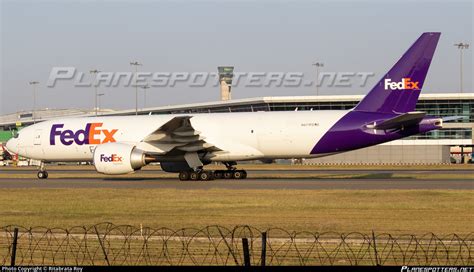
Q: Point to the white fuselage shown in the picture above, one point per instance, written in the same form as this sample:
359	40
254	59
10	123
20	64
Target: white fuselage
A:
240	136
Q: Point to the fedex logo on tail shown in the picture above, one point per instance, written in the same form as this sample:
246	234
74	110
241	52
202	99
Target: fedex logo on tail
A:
405	84
91	134
111	158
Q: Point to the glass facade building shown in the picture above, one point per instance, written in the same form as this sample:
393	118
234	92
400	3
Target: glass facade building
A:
441	146
441	105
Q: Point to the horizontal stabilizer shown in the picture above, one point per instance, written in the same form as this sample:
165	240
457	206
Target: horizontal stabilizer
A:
453	118
400	121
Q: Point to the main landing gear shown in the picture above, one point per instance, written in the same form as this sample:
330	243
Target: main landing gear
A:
210	175
42	174
200	174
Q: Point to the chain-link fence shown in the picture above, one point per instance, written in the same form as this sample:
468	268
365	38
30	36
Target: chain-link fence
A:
109	244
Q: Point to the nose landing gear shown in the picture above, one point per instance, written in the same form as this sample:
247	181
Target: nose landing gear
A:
42	174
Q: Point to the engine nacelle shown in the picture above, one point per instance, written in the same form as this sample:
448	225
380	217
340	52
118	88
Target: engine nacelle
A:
118	158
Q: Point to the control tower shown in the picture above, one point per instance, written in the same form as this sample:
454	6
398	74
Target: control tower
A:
226	73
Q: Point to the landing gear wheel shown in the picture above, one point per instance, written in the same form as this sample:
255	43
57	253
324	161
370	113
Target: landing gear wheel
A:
204	175
228	174
237	175
240	174
42	175
183	175
194	176
218	174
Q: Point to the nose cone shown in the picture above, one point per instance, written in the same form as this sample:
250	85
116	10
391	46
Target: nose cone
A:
12	145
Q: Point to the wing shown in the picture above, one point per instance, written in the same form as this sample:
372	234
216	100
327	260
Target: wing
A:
178	136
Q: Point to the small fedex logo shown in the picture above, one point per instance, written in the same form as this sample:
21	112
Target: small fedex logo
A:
92	134
111	158
405	84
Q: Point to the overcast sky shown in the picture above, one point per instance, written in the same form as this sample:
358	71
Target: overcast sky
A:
193	36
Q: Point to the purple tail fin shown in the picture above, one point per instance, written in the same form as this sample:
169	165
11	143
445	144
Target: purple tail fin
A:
398	90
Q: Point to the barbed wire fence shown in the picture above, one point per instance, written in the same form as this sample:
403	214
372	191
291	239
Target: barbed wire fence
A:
109	244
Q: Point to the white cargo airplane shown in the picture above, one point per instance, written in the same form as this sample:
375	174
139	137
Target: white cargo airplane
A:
184	143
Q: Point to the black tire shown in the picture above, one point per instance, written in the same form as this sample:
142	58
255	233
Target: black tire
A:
194	176
244	174
228	174
211	175
41	175
240	174
204	175
46	174
237	175
183	176
218	174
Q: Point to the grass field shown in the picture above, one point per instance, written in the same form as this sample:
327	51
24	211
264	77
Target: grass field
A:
394	211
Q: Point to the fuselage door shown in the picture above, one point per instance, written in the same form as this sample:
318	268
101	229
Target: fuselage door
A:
37	139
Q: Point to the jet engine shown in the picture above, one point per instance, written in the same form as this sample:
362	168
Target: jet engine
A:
118	158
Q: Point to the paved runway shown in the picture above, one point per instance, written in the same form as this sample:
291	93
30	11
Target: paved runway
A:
278	184
309	183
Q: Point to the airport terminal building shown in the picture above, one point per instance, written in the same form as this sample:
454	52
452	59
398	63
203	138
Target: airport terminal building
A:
452	143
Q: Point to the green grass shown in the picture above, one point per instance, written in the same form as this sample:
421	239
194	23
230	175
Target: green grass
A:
392	211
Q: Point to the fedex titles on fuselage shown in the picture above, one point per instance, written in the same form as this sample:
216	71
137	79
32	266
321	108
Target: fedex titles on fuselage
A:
90	135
